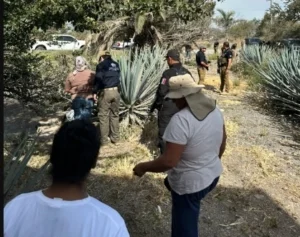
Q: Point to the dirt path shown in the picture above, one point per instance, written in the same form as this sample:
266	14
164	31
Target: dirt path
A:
259	191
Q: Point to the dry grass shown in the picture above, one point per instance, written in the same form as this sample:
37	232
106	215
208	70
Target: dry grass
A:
231	128
229	102
264	159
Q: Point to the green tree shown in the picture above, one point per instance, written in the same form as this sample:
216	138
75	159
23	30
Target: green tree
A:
243	28
21	17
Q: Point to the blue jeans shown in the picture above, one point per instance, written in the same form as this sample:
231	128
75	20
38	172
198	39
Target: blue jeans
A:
82	108
186	210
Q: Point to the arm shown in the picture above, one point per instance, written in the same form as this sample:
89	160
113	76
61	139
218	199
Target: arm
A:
68	84
223	145
229	64
176	136
229	58
204	64
161	92
165	162
98	78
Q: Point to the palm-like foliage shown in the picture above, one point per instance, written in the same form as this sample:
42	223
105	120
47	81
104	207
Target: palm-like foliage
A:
141	71
226	19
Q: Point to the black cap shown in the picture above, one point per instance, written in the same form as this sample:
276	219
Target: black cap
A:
174	54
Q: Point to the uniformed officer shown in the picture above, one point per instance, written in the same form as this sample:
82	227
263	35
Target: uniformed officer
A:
234	52
202	64
166	108
225	65
106	88
216	46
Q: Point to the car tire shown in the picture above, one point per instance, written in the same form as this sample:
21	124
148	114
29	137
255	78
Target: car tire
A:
40	47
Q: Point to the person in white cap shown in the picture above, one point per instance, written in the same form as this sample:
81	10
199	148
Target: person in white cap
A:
195	142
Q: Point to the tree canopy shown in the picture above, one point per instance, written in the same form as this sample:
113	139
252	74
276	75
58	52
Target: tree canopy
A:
143	18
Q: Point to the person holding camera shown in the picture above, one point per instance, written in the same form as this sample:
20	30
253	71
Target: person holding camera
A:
202	64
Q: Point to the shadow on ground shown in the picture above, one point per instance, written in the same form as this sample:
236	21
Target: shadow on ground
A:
225	212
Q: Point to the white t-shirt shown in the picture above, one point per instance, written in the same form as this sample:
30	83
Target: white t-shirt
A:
199	164
35	215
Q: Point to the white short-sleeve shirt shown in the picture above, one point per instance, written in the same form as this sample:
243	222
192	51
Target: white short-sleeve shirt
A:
35	215
200	163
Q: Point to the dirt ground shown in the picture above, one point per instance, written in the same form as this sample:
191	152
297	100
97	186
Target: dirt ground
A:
259	191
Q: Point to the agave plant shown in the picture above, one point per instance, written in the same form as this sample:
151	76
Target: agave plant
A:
257	55
17	163
282	80
141	71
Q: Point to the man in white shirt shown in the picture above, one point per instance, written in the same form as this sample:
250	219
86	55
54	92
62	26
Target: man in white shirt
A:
196	141
65	209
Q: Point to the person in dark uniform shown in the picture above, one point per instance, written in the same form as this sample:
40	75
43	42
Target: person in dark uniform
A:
166	108
216	46
106	88
225	65
188	50
202	64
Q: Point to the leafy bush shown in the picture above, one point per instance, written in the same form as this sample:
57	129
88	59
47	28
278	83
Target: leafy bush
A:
35	80
141	71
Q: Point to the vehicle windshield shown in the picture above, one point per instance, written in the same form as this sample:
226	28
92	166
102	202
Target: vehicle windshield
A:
252	40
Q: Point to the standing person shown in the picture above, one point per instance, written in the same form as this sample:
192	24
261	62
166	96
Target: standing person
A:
79	84
225	65
166	108
216	46
202	64
195	142
106	88
234	52
65	209
188	50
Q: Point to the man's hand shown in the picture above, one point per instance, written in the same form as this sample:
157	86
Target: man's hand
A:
139	170
95	97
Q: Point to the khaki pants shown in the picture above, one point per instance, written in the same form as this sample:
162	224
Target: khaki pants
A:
224	80
202	74
109	102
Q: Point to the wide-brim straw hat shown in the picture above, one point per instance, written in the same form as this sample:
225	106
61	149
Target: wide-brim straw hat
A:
184	86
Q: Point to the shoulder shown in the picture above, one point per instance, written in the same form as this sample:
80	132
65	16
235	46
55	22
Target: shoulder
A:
70	75
181	118
229	53
107	211
168	73
20	200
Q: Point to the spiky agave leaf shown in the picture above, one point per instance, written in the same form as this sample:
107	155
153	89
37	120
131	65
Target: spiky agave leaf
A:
140	76
282	80
257	55
15	168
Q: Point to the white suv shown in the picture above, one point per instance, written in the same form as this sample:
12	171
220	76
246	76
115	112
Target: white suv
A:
59	42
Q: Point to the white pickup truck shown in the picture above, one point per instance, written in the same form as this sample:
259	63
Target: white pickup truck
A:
123	44
59	42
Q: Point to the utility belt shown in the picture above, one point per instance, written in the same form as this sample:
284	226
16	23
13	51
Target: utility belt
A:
223	65
110	89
